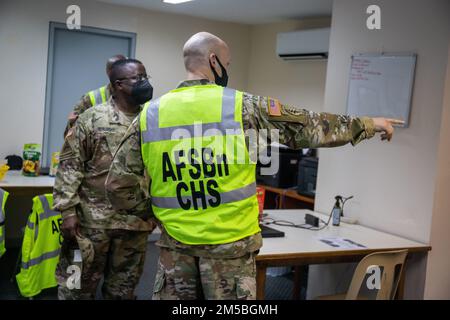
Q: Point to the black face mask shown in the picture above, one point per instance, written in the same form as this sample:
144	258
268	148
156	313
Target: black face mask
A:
142	91
220	81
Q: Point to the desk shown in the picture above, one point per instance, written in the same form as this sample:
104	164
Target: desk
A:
288	199
21	189
302	247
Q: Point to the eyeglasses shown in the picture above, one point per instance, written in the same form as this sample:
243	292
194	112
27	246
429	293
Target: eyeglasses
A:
139	77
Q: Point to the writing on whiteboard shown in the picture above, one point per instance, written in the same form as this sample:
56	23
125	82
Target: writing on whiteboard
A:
381	85
361	69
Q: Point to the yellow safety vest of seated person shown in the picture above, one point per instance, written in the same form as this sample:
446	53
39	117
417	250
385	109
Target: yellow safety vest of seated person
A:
40	248
3	198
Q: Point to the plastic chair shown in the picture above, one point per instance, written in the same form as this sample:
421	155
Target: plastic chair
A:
389	277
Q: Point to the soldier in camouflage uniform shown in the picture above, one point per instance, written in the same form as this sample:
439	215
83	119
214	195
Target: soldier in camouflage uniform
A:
99	97
118	240
224	271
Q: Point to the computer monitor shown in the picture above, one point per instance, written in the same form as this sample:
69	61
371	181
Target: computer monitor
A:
286	175
307	176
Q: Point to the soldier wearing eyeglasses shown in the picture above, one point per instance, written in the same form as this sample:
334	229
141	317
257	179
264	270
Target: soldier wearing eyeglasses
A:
119	241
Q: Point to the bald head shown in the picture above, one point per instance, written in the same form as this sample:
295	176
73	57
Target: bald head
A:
113	60
202	49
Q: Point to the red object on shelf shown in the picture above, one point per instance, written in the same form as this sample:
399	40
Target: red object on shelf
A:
260	193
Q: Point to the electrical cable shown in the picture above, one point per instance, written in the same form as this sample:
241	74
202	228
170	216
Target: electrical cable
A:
285	223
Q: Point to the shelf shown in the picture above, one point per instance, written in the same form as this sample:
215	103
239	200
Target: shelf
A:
277	198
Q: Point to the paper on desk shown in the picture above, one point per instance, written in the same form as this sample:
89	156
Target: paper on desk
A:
344	243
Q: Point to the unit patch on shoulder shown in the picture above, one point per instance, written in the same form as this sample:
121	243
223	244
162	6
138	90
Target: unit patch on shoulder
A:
274	107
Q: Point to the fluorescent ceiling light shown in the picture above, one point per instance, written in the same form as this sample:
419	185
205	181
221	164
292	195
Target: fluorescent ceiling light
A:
176	1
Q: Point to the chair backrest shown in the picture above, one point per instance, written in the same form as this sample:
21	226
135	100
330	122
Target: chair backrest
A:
389	279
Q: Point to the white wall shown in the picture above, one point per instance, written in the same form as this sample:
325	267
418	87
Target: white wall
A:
255	67
24	29
393	183
437	284
300	83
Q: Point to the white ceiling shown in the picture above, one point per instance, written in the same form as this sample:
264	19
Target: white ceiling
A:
240	11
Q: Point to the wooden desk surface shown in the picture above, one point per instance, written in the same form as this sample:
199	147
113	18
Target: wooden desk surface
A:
303	247
15	179
303	244
17	184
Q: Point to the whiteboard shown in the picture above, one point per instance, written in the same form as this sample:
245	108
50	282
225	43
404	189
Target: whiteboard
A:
381	85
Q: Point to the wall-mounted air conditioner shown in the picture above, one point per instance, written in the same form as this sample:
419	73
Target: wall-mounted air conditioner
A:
304	44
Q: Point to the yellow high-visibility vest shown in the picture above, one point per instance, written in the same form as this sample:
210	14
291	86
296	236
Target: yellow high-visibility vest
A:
3	197
203	186
40	248
99	96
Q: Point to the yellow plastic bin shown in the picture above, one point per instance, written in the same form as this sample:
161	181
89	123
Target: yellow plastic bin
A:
3	169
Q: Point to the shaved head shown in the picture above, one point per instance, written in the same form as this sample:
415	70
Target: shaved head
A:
113	60
201	48
124	68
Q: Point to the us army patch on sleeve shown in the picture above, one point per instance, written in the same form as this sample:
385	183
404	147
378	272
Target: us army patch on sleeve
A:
274	107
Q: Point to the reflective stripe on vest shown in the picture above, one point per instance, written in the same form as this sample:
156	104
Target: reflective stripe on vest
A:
31	226
154	133
225	197
39	259
3	197
98	96
199	193
48	213
40	248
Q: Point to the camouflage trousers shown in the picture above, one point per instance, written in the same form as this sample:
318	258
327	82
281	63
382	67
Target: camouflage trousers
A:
118	258
185	277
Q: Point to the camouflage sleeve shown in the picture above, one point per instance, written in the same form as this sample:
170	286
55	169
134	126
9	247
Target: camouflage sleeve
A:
82	105
127	184
300	128
71	169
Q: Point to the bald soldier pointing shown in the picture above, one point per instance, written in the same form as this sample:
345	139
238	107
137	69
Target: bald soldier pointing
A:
206	201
